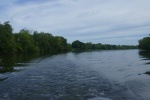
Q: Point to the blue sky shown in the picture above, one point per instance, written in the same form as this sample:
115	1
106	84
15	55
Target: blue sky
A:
97	21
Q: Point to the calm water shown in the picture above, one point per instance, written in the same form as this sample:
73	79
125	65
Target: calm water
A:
97	75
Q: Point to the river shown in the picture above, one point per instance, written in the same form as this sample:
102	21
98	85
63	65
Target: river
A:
93	75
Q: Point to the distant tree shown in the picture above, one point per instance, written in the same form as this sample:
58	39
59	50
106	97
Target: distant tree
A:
98	46
88	45
78	45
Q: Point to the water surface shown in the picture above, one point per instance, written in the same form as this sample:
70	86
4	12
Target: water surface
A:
97	75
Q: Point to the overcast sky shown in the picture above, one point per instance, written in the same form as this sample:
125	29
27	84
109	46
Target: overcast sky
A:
97	21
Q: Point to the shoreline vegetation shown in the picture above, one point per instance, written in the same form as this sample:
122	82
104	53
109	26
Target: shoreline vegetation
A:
144	44
26	41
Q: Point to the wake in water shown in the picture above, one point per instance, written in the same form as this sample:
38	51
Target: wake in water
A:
66	77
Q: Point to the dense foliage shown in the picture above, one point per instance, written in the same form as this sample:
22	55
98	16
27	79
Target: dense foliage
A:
144	43
77	45
25	42
29	42
7	43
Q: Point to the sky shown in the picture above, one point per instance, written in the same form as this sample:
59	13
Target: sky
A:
120	22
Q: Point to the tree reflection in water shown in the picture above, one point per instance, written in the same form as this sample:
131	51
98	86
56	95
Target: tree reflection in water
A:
146	56
9	62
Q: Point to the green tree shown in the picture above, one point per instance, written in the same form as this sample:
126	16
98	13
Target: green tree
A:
61	44
144	43
45	41
98	46
78	45
88	45
7	43
25	42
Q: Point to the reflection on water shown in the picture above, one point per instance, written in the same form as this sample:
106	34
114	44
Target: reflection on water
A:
9	62
145	55
2	79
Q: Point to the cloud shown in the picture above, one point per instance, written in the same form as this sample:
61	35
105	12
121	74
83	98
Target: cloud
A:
103	21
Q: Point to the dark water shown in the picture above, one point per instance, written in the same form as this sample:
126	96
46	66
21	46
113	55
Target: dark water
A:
145	55
97	75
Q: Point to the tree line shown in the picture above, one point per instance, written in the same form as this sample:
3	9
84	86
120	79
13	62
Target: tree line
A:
26	41
78	45
144	43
